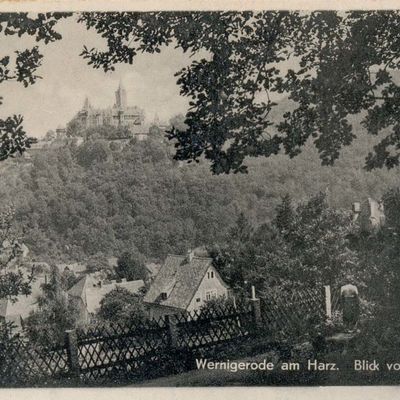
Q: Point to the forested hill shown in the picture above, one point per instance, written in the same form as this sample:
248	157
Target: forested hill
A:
76	202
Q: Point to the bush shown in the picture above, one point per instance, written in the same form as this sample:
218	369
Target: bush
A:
121	306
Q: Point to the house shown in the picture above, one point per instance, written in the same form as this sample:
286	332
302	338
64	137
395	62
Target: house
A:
88	293
16	311
184	284
369	214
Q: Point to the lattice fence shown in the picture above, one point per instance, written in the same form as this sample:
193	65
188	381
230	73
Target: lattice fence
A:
293	313
337	314
335	296
211	327
26	364
116	352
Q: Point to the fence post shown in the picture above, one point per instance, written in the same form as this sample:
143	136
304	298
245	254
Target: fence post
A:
171	323
328	301
71	343
255	309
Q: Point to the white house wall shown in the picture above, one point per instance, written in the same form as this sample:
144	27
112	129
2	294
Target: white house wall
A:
208	284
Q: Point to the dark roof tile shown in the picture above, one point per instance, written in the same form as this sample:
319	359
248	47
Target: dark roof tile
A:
180	279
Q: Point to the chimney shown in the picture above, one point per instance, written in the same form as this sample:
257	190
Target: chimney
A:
190	255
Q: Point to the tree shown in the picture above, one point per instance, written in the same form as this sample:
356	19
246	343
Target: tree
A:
74	128
284	214
331	65
121	306
92	152
313	250
155	131
55	315
234	258
12	281
319	242
380	255
50	135
22	68
98	262
68	279
178	122
131	266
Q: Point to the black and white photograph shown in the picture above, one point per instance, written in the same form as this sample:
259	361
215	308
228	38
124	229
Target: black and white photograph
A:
199	198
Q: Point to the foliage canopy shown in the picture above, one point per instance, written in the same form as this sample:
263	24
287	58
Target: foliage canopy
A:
331	65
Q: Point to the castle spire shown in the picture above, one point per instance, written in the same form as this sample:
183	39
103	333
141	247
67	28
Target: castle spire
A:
120	96
86	104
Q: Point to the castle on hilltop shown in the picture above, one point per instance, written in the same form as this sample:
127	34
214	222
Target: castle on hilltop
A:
119	115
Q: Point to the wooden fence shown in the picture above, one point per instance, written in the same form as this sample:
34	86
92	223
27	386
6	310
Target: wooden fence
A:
21	363
114	353
293	314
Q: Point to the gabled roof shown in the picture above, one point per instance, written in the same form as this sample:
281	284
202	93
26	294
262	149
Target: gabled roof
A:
180	279
79	288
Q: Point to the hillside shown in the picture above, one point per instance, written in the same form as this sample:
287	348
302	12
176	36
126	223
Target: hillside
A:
75	202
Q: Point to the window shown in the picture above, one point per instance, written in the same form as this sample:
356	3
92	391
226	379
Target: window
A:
198	300
163	296
210	274
211	294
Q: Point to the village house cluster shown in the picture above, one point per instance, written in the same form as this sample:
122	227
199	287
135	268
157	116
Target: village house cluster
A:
182	284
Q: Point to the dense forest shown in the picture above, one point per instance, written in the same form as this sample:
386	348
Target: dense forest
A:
101	198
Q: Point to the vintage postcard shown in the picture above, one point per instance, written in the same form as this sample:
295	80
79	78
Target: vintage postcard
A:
199	197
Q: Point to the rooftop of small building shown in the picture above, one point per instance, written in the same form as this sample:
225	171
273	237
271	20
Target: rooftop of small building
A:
179	278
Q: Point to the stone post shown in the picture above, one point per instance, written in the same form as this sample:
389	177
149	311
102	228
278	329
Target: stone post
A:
328	301
256	309
71	343
171	323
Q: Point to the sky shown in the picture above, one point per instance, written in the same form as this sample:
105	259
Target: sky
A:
67	79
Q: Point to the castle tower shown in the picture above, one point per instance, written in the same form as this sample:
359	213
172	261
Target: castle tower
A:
120	97
86	104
